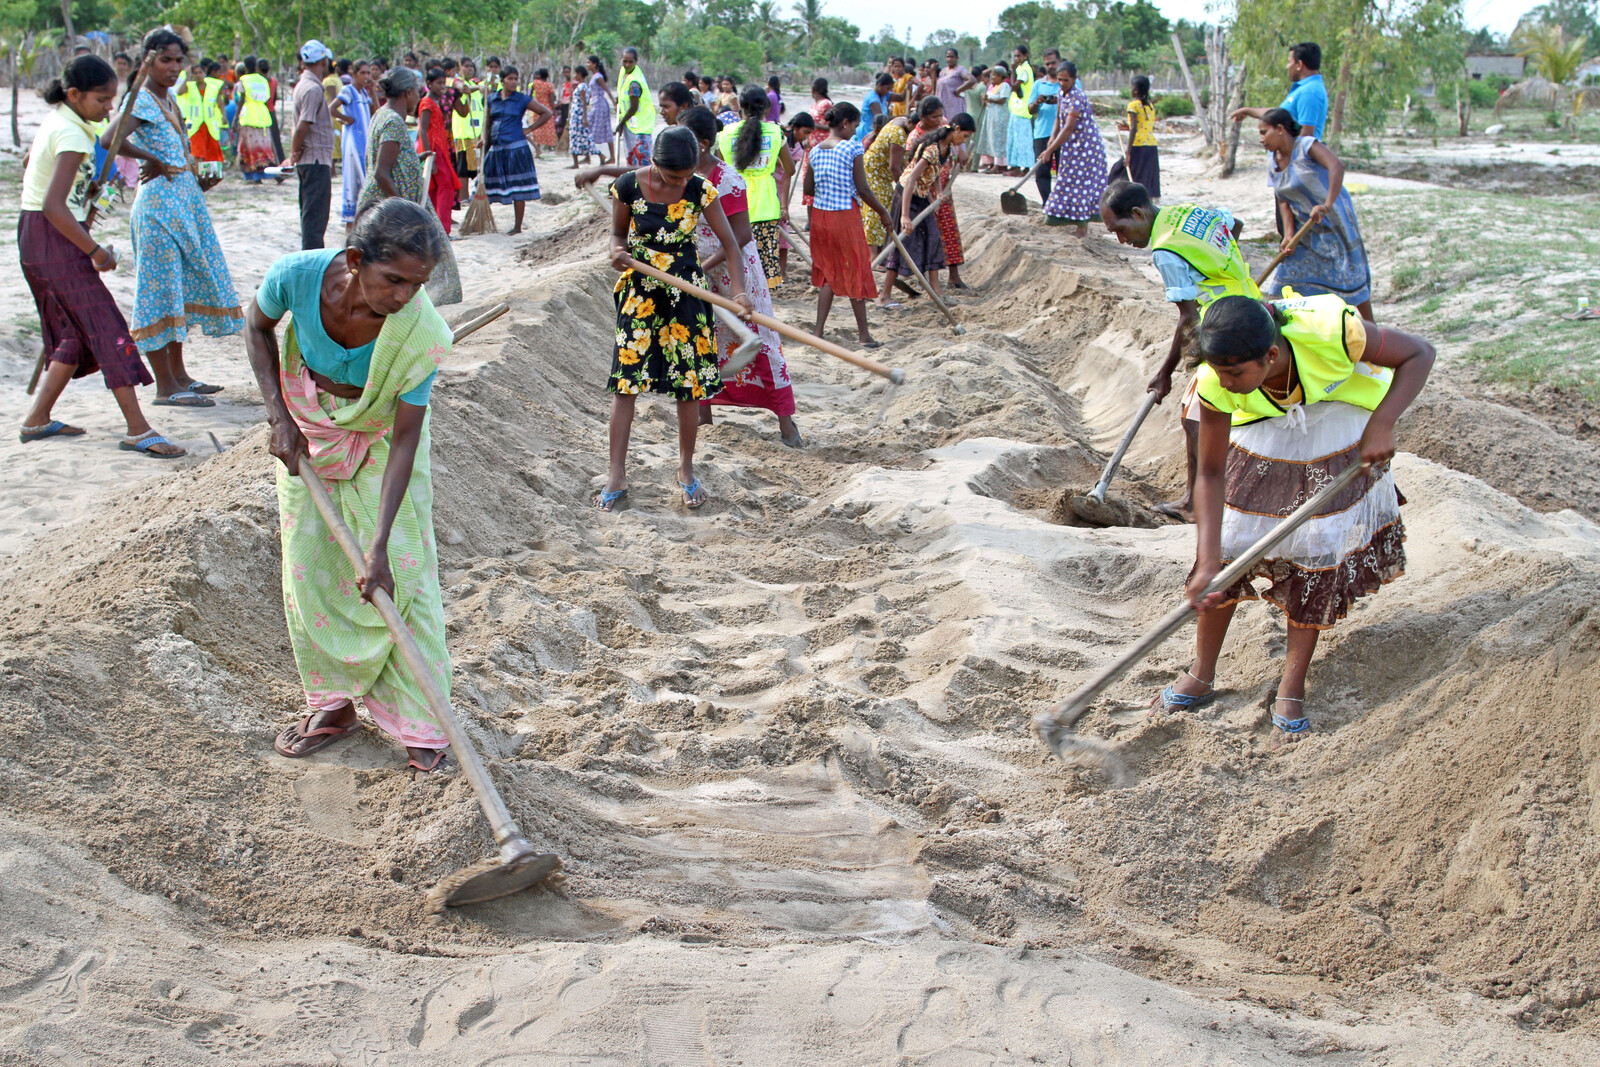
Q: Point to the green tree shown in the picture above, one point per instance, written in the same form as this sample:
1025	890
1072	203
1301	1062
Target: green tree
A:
835	42
725	52
807	14
772	30
26	47
1553	55
1579	19
1374	52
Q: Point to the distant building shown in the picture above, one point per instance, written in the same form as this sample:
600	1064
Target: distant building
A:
1510	66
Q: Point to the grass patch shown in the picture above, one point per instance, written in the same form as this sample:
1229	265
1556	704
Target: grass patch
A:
1488	276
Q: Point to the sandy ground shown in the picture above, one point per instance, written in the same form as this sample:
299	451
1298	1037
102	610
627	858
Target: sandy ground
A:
781	742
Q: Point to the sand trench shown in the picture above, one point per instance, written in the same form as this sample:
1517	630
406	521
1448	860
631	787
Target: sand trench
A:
782	744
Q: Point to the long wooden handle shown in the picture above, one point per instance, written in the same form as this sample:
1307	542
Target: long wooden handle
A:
427	180
472	326
922	216
1041	161
1099	490
494	808
894	374
799	245
1073	708
118	135
905	257
1281	256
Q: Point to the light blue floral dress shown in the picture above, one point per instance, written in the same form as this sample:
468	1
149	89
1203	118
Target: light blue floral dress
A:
181	277
1331	258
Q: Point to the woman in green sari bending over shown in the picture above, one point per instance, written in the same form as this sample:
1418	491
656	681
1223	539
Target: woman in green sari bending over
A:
349	396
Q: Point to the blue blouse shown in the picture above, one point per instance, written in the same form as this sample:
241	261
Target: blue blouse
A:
505	119
294	284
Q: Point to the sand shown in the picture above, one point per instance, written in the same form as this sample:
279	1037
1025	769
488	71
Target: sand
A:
781	742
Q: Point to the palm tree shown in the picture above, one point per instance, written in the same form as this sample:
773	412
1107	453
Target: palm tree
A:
25	52
808	13
771	27
1557	59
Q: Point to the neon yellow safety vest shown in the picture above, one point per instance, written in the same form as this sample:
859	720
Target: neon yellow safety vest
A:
1201	238
760	181
1315	331
467	127
192	106
211	107
644	119
253	108
1023	76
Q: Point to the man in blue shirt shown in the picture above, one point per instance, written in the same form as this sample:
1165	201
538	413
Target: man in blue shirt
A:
1043	99
876	103
1308	96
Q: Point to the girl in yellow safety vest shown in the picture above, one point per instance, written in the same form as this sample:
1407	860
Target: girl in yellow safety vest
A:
254	121
1292	394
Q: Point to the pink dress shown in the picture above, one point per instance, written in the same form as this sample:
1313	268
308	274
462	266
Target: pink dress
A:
764	382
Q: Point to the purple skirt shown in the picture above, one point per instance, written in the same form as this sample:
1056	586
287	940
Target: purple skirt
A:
78	318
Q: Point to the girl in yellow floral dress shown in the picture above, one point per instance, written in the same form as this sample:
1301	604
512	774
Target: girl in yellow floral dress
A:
665	342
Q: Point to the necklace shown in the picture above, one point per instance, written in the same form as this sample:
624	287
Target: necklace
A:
1287	389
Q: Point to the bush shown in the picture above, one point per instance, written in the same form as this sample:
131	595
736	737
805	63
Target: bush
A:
1553	120
1423	115
1173	104
1482	94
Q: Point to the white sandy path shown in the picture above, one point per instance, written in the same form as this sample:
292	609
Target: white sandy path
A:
99	974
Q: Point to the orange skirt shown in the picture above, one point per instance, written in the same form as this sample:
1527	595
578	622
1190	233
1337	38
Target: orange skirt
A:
204	147
840	256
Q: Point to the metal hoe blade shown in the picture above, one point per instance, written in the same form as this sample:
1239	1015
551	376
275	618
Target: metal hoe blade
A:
1055	728
518	867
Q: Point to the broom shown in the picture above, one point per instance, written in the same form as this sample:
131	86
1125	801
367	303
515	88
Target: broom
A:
480	214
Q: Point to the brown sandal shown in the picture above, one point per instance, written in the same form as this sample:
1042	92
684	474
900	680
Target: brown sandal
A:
325	735
433	765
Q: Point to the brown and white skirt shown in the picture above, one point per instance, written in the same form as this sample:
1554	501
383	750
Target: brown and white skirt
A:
1355	545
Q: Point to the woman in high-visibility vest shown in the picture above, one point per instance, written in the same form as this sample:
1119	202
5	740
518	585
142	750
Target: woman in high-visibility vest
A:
755	147
467	130
1294	393
202	112
254	123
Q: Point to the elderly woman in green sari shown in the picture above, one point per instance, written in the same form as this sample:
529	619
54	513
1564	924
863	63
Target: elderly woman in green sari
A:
347	395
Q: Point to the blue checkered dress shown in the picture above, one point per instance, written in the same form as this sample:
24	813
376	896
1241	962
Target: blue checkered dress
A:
835	180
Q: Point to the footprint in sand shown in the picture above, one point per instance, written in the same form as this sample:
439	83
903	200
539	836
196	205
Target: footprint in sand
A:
856	1000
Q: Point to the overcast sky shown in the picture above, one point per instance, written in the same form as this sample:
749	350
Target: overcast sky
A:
925	16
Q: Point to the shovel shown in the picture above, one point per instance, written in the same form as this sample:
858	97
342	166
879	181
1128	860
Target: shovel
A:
518	865
921	215
1283	255
92	193
905	257
894	374
1013	202
1055	728
1092	506
749	344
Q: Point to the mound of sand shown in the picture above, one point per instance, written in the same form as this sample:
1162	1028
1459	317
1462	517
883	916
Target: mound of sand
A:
795	721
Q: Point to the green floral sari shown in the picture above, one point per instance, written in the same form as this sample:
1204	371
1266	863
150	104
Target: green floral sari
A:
341	646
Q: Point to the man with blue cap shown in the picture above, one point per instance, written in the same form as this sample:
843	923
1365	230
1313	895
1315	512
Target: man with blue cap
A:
311	148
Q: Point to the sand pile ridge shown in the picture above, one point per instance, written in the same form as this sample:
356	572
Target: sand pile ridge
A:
798	717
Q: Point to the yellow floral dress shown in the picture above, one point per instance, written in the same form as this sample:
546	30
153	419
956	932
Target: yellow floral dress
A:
876	162
665	342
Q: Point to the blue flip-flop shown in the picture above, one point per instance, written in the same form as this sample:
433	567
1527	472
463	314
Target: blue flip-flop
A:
1293	729
149	441
607	500
1171	699
53	428
688	494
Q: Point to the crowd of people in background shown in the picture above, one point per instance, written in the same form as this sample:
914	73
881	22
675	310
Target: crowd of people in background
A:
703	203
